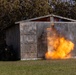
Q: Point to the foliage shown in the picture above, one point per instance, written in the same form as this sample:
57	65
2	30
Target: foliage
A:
15	10
60	8
40	8
12	10
64	8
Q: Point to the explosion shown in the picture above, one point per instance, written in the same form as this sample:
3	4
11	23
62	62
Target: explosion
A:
58	46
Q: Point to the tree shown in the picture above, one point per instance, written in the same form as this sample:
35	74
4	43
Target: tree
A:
40	8
73	9
64	8
11	11
60	8
15	10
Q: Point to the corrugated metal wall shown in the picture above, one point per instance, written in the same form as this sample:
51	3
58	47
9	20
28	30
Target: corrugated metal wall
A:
13	40
32	39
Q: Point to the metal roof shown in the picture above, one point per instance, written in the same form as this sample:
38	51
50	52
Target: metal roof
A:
51	15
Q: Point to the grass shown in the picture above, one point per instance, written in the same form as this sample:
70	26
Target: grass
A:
38	67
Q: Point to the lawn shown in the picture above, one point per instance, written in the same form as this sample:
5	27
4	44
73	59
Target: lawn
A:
38	67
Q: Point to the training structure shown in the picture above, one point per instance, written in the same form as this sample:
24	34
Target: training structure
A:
28	39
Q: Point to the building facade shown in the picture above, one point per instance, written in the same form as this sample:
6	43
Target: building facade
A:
28	37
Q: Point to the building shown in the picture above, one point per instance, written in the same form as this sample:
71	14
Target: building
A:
28	37
50	18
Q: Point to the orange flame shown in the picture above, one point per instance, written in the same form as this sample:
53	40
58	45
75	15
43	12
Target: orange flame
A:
58	47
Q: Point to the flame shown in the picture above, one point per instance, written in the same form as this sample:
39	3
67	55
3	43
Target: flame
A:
58	47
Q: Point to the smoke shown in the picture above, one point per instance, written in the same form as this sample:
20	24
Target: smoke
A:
59	43
64	32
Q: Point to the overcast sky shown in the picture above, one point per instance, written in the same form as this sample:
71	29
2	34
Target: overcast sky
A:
71	1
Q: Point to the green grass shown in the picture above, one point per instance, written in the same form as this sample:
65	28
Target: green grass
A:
38	67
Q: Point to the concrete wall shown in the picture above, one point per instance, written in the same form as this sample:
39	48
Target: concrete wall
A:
30	37
68	30
28	40
33	37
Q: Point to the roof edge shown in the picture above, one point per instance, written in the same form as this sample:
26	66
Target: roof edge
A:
46	16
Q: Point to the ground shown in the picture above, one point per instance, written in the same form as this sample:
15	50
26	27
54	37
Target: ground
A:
38	67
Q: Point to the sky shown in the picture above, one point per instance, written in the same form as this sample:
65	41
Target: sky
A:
71	1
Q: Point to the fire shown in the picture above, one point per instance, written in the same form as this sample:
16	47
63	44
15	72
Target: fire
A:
58	47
